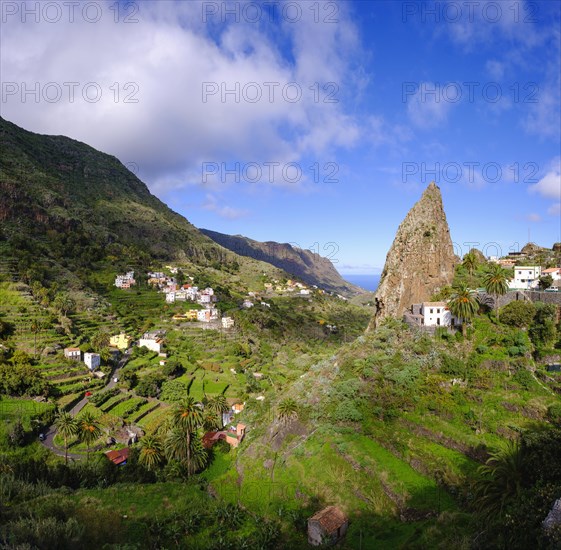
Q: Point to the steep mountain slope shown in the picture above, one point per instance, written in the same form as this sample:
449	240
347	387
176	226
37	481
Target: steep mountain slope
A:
62	200
305	264
55	183
420	261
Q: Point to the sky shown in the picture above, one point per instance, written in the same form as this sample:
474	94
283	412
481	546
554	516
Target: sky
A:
317	123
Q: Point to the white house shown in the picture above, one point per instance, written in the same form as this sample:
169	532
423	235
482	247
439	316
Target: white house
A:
204	298
203	315
125	281
247	304
153	344
525	277
437	314
555	273
92	360
170	297
73	353
227	322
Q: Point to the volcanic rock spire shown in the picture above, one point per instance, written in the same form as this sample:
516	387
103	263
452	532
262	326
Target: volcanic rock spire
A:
420	261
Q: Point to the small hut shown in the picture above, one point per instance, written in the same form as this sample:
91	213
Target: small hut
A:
327	526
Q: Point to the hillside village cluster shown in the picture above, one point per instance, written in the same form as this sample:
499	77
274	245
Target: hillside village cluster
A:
187	292
526	278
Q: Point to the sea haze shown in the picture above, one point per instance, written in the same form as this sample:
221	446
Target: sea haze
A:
368	282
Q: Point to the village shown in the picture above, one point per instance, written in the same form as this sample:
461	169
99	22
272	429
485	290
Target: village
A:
527	283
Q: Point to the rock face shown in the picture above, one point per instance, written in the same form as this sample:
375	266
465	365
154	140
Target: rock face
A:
421	259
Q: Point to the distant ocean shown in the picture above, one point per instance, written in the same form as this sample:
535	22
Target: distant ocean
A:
368	282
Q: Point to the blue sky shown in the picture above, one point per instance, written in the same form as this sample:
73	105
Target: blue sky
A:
339	113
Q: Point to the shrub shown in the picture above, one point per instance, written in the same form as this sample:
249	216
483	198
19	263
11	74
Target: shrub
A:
523	378
453	366
518	314
347	411
554	414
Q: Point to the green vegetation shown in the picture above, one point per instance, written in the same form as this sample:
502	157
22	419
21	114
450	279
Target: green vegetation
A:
424	441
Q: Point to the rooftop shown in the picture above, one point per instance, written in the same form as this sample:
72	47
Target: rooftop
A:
118	457
330	518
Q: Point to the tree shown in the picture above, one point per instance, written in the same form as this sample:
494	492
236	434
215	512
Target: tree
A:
217	405
64	304
151	452
545	282
211	421
518	314
105	355
35	327
542	332
287	410
149	385
100	340
20	378
88	430
470	263
495	281
6	329
17	434
463	305
66	426
188	416
185	447
500	479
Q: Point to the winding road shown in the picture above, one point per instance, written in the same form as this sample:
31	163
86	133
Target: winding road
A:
51	431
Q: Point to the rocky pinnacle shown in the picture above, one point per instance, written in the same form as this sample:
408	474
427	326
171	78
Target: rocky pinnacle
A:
420	261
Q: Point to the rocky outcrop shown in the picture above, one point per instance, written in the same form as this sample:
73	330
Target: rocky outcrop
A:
421	259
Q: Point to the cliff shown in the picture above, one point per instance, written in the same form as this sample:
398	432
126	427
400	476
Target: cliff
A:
420	261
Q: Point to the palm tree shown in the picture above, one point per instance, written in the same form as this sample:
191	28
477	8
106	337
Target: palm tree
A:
470	263
100	339
217	405
463	305
189	416
496	283
35	328
211	420
500	479
66	426
88	429
63	303
151	452
185	447
287	410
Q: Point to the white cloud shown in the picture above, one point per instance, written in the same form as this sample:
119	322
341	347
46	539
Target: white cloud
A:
380	133
426	108
544	115
555	209
533	217
549	185
495	69
224	211
169	55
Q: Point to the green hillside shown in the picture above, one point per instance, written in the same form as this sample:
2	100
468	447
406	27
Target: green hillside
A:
423	440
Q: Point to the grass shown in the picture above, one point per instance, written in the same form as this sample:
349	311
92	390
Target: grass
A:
12	409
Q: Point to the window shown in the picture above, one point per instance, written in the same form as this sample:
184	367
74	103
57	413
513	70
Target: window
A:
431	310
438	310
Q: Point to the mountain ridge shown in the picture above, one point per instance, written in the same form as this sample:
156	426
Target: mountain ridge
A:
312	268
